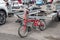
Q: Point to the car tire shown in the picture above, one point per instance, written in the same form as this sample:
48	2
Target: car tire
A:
2	18
58	16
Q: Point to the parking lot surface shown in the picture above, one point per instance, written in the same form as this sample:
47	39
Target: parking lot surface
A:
9	31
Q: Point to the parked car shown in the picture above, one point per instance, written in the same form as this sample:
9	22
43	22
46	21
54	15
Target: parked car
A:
16	6
5	10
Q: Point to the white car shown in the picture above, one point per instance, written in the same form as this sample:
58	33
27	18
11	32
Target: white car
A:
17	6
4	11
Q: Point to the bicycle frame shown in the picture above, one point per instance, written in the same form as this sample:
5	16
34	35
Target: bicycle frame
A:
36	22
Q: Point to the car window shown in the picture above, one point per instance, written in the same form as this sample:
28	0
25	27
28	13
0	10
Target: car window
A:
35	8
13	0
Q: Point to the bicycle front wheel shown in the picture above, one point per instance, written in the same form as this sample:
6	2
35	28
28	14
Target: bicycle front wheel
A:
23	31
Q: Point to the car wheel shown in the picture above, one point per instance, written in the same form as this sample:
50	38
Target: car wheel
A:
58	16
58	19
2	18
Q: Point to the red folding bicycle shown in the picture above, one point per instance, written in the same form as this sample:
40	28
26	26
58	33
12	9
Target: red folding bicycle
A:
27	23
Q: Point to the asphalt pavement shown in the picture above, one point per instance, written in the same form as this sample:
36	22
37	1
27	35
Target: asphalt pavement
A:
9	31
4	36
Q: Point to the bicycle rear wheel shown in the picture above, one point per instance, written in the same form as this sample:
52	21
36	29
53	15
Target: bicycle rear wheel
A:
43	25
